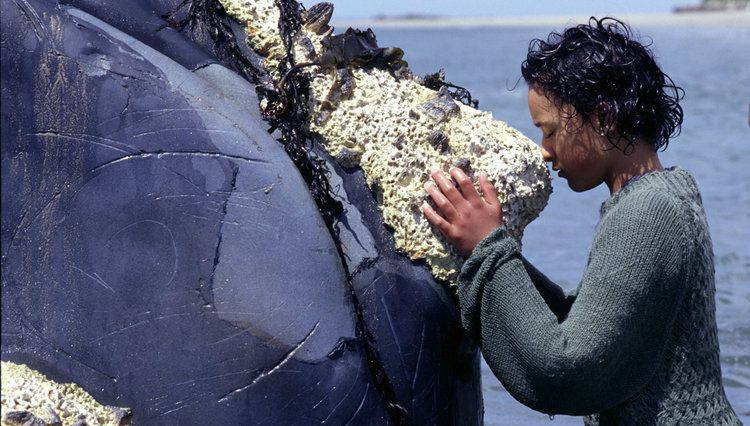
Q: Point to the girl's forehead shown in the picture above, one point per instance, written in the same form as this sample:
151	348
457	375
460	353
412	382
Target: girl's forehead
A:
543	111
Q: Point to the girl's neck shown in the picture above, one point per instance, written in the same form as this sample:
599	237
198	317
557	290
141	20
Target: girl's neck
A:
641	161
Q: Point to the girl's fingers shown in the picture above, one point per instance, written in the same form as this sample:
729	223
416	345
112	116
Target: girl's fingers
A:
488	190
435	219
443	203
446	187
470	193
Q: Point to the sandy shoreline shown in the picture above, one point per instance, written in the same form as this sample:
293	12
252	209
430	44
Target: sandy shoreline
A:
729	18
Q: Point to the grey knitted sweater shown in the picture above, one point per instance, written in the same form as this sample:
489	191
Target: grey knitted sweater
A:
637	342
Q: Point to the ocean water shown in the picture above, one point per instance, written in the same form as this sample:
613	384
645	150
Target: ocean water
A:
712	64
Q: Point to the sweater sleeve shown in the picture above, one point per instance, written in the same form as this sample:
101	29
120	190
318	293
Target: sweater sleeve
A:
554	296
610	344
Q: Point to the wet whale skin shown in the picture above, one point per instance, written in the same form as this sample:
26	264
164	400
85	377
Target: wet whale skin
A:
161	250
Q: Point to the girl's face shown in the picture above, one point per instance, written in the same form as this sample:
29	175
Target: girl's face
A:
577	152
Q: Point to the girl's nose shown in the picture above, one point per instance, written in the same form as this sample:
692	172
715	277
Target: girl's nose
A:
546	154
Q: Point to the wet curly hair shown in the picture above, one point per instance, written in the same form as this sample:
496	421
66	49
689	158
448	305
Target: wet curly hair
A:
605	74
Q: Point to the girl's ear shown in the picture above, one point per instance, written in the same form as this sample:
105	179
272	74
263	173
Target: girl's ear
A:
606	119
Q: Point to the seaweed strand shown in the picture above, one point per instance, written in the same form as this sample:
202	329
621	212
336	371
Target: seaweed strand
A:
436	81
207	18
292	126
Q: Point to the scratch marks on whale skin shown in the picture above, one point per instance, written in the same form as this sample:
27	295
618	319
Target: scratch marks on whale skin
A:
183	129
359	407
269	371
102	141
40	30
168	154
95	278
138	324
348	392
171	240
57	348
395	335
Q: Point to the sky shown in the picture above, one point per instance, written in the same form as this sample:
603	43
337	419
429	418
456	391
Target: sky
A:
349	9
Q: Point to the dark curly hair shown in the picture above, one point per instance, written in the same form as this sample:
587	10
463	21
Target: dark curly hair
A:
603	73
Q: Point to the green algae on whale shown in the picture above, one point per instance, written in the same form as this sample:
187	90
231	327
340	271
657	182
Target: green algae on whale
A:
397	130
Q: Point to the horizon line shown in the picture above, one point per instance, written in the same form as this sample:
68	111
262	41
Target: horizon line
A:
708	18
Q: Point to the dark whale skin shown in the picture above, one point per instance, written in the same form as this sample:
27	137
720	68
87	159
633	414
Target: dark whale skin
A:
161	250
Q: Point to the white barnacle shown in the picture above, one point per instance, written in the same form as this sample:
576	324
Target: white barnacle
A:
27	391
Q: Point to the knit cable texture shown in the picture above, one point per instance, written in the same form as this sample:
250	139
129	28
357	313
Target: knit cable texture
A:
637	341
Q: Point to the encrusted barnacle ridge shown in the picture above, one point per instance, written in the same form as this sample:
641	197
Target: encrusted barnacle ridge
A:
369	111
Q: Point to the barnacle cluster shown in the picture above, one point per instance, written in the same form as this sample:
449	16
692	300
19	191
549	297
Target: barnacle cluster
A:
28	397
261	19
397	130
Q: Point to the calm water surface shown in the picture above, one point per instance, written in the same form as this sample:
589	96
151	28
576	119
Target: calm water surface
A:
713	66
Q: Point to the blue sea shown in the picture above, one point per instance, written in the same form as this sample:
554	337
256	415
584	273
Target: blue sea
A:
712	64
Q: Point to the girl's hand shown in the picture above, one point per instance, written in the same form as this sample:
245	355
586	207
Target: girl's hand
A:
467	217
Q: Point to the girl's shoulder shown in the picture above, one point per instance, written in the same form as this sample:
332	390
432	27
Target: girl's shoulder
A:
661	209
673	190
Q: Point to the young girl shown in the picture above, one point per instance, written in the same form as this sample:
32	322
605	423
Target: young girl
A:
637	341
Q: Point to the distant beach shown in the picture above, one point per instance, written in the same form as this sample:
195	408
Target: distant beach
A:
713	18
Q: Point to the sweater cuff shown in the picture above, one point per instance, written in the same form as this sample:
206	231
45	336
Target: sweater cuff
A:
498	245
491	240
